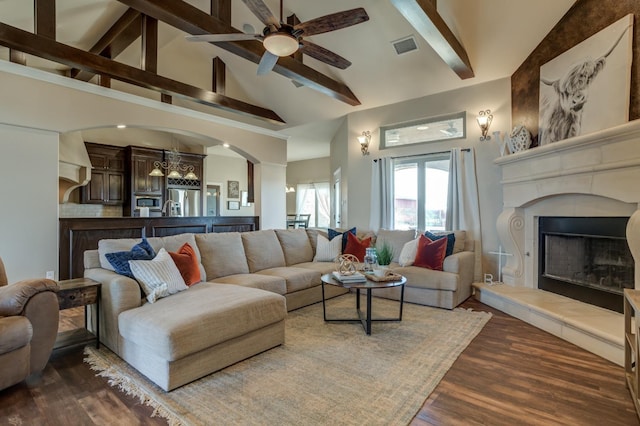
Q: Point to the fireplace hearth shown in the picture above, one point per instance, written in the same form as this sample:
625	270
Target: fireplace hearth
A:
585	258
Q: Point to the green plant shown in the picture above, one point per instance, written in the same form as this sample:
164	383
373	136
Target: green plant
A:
385	254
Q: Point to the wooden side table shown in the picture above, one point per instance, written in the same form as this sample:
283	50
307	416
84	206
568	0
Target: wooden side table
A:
75	293
632	343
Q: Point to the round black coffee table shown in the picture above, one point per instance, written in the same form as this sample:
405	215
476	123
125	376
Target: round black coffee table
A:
369	285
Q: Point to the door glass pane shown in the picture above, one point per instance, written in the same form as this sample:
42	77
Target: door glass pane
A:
436	184
405	194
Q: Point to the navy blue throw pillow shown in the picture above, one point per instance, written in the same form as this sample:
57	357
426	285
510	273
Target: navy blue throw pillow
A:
120	259
332	233
451	240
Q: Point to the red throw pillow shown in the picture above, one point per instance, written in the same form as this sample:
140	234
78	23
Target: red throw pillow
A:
187	262
430	254
356	246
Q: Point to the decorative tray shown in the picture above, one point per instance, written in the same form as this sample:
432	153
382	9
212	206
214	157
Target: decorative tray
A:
389	276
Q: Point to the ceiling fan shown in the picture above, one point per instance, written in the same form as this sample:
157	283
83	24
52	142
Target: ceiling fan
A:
281	39
451	131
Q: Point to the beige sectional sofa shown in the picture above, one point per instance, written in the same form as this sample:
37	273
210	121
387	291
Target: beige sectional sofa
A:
250	281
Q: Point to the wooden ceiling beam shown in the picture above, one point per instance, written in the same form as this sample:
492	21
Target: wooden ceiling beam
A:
122	33
220	9
194	21
15	38
426	20
45	18
149	44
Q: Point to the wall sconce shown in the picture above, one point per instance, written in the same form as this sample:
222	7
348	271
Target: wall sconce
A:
289	188
484	121
364	140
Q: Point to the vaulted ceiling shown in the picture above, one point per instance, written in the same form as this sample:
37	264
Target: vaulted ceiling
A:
497	36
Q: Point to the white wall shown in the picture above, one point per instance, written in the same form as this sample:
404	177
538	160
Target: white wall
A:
270	202
220	170
29	197
306	171
356	168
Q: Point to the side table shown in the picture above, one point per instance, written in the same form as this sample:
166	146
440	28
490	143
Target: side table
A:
632	343
72	294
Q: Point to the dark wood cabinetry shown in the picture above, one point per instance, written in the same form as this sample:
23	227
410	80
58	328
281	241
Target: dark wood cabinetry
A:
107	175
142	163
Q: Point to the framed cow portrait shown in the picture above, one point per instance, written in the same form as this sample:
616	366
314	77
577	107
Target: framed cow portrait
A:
587	88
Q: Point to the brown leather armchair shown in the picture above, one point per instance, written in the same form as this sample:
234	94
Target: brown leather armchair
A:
28	327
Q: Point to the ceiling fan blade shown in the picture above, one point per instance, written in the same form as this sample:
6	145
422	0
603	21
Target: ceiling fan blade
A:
223	37
324	55
262	12
334	21
267	62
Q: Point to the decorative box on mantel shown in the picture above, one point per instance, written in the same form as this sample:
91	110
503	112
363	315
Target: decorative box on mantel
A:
593	175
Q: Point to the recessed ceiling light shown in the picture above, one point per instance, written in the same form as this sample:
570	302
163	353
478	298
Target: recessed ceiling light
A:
422	127
226	145
121	126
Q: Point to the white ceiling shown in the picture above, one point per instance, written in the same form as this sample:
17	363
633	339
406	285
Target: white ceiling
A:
498	35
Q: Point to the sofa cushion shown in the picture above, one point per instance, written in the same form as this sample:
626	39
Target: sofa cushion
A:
396	239
334	233
460	239
430	254
262	250
263	282
187	262
321	267
296	278
159	277
356	246
119	261
204	315
327	251
295	245
450	236
222	254
408	253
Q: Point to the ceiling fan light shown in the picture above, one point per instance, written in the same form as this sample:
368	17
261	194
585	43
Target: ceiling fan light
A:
280	44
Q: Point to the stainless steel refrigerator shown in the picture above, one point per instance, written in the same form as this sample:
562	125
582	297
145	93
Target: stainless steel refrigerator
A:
185	202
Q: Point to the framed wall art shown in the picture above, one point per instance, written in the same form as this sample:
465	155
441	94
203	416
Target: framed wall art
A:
233	189
233	205
587	88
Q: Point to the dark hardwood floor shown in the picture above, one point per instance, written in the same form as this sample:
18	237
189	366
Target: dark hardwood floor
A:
511	374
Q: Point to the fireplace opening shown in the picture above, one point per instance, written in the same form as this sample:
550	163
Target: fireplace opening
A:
585	258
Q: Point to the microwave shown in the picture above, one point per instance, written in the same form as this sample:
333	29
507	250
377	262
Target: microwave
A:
147	201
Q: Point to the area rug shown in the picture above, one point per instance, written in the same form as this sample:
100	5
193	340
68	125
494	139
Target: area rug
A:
325	373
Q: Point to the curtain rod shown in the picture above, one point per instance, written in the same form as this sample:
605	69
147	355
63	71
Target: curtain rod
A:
431	153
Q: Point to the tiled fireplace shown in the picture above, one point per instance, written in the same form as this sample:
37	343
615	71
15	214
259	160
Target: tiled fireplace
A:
590	176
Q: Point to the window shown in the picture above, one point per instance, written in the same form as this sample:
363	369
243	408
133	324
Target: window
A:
313	199
420	190
452	126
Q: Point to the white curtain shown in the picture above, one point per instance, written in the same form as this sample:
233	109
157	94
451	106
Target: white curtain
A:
463	204
323	200
381	194
303	191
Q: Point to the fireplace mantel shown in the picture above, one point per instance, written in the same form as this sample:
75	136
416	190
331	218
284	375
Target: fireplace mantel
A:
597	174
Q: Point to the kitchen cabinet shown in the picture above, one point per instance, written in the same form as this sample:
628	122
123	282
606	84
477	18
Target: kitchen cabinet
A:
107	175
142	163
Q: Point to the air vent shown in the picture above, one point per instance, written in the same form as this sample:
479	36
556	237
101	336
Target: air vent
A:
405	45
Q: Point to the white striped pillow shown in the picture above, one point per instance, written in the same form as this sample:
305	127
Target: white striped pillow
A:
159	277
327	251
